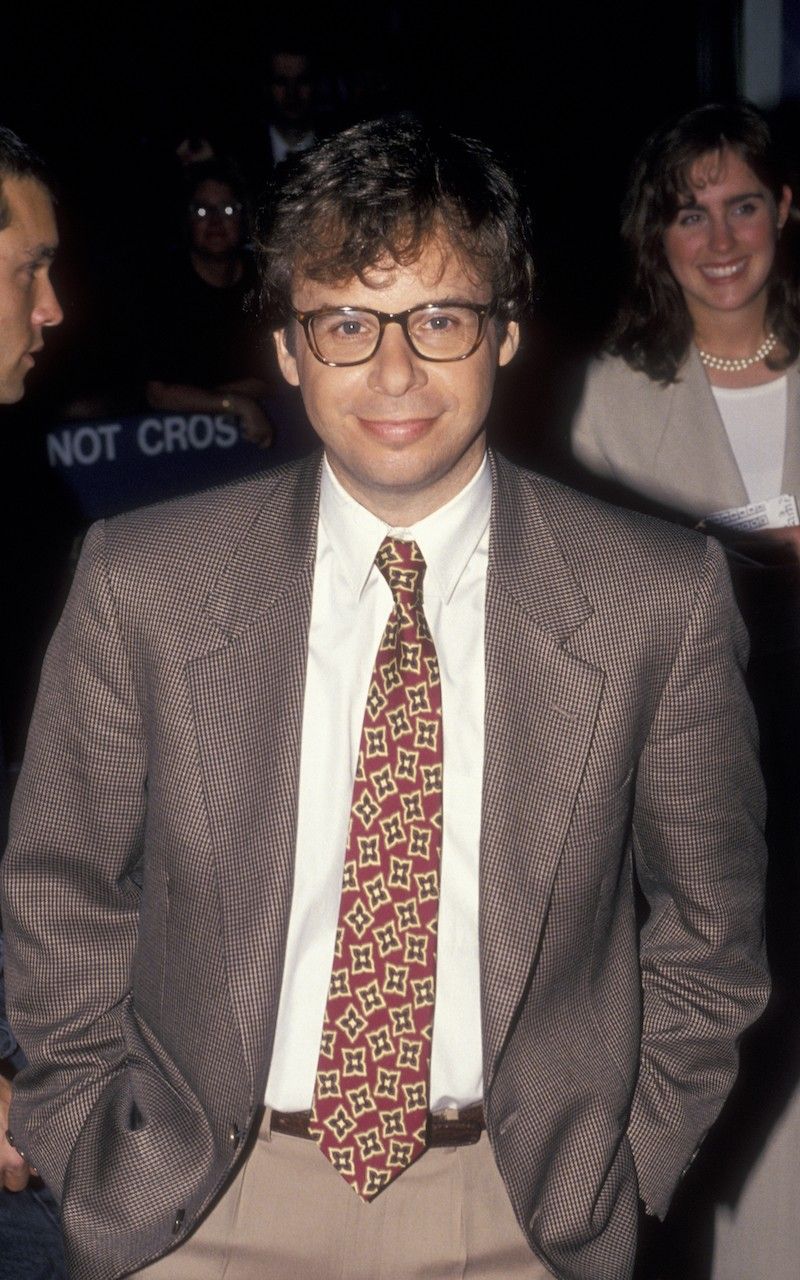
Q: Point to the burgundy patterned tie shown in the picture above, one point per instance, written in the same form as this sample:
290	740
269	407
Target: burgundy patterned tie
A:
371	1096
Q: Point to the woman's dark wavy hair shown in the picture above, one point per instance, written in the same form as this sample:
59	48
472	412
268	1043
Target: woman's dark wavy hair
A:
654	330
381	190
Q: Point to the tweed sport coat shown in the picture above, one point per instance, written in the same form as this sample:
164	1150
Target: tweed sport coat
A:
149	877
668	444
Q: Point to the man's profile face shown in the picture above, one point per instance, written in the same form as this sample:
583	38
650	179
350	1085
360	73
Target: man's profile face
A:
28	303
403	435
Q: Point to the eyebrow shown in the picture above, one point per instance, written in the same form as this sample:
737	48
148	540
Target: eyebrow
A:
744	195
42	253
435	302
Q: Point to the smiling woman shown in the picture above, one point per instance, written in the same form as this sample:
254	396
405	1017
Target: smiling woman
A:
720	248
695	411
696	405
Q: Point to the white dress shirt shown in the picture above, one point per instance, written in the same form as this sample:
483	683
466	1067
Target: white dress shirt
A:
350	605
280	148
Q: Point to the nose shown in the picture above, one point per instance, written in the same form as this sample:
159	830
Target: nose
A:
395	369
720	235
47	310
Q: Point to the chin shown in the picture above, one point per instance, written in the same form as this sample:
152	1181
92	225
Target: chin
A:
11	393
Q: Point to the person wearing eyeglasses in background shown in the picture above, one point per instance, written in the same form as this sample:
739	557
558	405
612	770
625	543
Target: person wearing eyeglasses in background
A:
322	930
205	351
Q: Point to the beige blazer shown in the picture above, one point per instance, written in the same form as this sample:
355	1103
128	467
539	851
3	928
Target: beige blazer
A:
668	444
148	881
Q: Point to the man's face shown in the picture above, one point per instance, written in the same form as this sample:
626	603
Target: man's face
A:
28	303
403	435
290	89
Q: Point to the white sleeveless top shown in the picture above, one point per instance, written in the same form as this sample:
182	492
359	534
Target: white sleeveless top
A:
755	420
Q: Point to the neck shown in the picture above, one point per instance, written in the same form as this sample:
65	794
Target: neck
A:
403	505
221	273
731	334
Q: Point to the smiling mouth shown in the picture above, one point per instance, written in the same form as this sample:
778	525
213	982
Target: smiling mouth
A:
725	271
399	430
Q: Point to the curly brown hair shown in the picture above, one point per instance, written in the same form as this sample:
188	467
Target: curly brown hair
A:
382	190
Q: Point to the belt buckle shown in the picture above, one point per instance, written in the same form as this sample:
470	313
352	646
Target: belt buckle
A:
463	1130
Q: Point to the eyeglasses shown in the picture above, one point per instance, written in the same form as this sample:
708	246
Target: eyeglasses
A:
201	211
435	331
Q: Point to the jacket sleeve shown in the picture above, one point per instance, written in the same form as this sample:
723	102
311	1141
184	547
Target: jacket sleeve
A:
70	904
700	859
587	428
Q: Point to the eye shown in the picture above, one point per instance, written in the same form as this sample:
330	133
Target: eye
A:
746	209
349	328
441	322
689	218
343	326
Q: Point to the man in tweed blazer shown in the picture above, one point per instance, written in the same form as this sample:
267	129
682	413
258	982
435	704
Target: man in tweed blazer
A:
166	879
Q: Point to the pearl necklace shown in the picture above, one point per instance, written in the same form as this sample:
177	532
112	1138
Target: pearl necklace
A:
727	364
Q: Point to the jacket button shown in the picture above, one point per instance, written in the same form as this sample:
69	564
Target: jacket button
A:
178	1223
234	1135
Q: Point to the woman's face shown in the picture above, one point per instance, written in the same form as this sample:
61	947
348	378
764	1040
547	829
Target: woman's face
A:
720	246
215	220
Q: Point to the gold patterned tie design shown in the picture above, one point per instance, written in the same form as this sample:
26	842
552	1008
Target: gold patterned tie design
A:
371	1096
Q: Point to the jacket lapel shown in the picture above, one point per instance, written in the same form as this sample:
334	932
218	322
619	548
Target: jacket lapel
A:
791	459
694	454
247	696
541	706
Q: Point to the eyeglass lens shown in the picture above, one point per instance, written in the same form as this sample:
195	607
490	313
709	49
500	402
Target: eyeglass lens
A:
221	210
438	333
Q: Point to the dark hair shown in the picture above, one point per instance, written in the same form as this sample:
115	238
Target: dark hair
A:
380	191
17	161
654	330
214	171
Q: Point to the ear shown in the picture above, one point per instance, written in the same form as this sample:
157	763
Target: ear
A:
508	347
286	360
784	205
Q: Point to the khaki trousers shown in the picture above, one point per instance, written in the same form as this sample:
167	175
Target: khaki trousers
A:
289	1216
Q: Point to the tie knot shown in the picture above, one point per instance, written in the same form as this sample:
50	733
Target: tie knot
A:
403	566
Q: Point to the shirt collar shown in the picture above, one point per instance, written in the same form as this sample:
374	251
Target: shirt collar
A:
281	148
447	538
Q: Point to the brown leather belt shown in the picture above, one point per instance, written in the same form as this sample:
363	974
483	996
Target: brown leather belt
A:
460	1131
